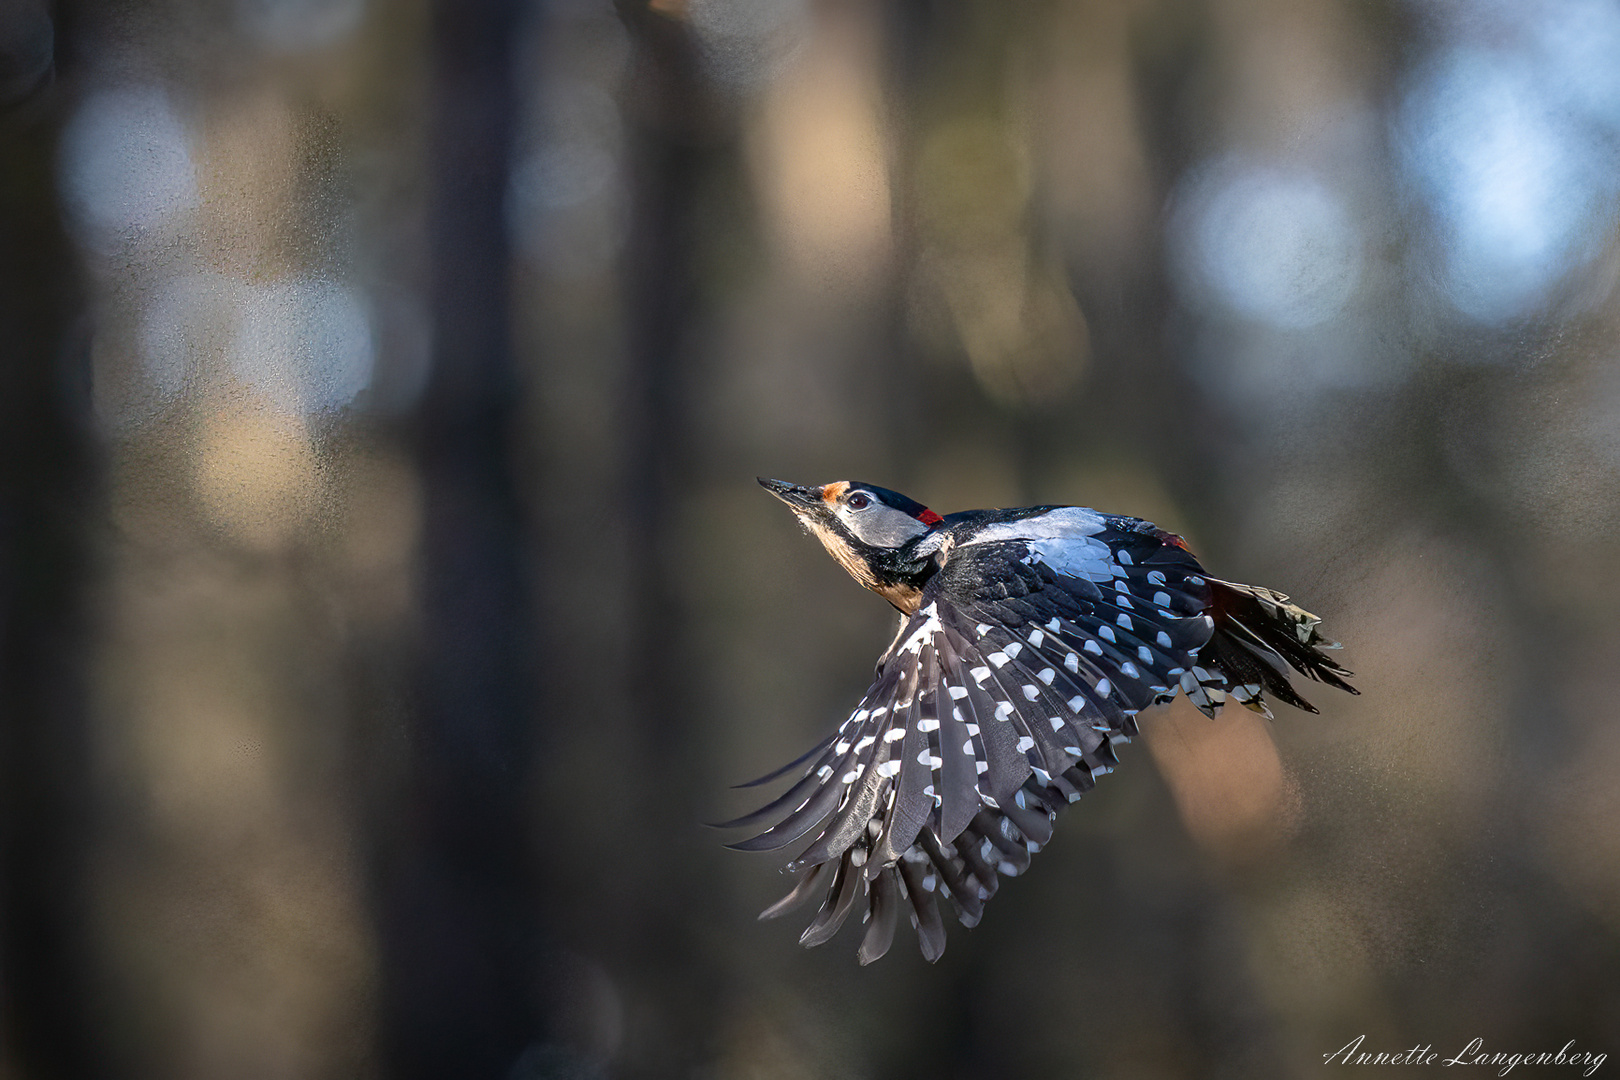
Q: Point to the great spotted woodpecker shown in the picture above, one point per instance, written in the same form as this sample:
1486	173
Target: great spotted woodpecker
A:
1029	640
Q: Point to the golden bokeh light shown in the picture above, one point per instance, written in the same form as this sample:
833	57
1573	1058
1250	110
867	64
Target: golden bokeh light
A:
255	472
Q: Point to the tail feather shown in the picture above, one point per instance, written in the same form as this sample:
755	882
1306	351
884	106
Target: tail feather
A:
1259	636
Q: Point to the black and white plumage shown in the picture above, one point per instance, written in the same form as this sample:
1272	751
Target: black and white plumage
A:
1029	641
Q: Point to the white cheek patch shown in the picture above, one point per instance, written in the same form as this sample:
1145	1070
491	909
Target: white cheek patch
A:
880	525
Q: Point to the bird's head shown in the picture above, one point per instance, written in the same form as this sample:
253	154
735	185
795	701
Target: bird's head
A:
872	532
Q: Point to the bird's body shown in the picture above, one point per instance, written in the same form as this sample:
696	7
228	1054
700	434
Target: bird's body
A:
1029	641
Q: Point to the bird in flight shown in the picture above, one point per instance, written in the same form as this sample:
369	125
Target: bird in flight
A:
1029	640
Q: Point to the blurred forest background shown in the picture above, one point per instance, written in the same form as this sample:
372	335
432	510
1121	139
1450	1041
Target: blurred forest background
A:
386	596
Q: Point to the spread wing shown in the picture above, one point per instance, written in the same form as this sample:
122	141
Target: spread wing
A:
1032	650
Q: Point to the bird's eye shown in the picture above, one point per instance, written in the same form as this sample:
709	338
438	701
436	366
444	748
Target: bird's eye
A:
858	501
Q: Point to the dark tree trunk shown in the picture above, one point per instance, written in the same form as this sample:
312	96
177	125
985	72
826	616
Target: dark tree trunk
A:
460	936
47	497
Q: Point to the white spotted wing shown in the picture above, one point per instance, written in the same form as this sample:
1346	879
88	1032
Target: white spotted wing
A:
1031	652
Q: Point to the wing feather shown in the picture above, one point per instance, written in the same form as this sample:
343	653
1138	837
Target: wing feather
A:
884	892
835	909
796	824
1007	765
959	777
912	806
920	884
999	702
792	797
810	881
789	767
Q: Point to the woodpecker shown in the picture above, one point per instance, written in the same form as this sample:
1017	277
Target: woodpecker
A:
1029	641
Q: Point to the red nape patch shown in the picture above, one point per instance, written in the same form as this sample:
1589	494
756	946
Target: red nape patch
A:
928	517
1173	540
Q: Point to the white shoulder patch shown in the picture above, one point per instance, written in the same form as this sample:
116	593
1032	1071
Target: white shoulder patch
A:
1061	538
1065	521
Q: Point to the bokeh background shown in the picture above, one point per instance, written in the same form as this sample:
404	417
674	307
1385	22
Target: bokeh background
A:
387	597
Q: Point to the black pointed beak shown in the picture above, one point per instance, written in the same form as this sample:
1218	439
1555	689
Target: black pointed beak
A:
799	498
